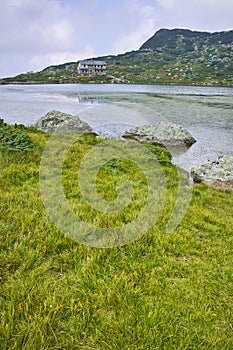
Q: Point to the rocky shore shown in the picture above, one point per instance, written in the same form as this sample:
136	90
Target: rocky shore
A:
218	174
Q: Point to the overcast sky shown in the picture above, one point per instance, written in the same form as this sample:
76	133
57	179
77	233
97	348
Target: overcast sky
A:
37	33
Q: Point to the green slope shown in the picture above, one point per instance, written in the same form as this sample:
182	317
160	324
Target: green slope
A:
175	56
164	291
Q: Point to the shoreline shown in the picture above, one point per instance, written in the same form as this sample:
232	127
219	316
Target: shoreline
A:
2	82
206	112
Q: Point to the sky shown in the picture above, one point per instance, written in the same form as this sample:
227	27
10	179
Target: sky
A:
35	34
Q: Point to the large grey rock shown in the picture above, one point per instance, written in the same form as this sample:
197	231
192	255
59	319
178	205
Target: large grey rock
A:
218	174
162	134
62	122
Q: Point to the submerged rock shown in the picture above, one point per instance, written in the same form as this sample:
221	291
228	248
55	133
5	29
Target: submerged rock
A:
161	134
62	122
218	174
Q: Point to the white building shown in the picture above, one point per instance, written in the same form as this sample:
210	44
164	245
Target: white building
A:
91	67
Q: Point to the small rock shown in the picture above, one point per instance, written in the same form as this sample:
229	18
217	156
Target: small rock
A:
62	122
161	134
218	174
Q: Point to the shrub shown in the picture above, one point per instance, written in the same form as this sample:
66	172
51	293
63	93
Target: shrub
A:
14	138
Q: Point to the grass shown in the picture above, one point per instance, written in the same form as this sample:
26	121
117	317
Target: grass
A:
162	291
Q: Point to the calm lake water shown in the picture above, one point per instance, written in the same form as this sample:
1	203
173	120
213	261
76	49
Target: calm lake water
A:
206	112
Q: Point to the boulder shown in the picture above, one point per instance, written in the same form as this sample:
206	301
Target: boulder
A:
161	134
218	174
62	122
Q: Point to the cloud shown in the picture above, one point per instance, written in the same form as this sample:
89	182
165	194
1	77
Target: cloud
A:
210	15
32	25
35	34
137	24
39	31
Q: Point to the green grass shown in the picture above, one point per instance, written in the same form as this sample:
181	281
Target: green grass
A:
163	291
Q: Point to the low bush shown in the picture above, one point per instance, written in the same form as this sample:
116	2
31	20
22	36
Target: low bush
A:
14	138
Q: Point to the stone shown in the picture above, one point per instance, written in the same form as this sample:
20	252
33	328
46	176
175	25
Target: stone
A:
62	122
161	134
218	174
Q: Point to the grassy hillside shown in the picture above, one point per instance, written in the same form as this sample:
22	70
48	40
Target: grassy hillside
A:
170	57
163	291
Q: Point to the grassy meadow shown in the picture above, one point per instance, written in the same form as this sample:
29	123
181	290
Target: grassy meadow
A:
162	291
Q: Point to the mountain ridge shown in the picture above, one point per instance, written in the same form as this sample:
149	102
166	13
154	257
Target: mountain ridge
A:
170	56
164	35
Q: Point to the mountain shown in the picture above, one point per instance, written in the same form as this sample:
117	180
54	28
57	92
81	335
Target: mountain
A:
187	39
170	56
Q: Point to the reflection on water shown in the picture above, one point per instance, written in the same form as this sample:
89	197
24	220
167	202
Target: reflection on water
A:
112	130
206	112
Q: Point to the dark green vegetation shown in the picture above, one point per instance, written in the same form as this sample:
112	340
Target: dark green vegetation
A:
175	56
14	138
163	291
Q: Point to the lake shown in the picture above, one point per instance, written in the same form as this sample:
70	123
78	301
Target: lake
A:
206	112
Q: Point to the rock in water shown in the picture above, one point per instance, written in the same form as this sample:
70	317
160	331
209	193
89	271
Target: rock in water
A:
161	134
218	174
62	122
